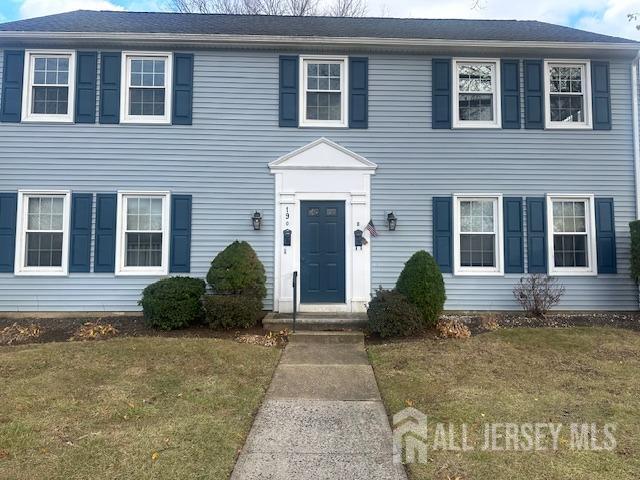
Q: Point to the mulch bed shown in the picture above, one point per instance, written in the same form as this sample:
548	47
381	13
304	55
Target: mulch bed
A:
43	330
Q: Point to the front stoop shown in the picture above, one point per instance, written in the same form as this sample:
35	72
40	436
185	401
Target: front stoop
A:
323	418
276	322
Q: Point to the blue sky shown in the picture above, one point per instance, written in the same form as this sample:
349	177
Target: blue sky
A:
604	16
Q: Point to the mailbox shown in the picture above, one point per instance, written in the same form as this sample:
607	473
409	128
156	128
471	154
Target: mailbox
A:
358	238
286	238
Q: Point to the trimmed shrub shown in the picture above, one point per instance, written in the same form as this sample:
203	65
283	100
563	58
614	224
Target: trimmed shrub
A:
421	282
232	311
237	270
391	314
635	250
173	302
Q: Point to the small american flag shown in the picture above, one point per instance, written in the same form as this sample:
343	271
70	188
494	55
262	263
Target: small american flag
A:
371	229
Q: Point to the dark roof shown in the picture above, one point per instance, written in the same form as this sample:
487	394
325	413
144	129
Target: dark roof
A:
181	23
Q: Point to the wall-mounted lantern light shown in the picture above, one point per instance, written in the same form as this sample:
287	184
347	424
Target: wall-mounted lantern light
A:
392	221
256	219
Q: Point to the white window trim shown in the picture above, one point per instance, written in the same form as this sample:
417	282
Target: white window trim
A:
344	89
27	91
499	244
495	82
121	269
587	124
126	84
21	234
590	219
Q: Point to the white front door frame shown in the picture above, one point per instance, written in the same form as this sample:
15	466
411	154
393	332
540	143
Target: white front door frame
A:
319	171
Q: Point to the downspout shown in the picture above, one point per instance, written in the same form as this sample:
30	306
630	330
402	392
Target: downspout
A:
636	132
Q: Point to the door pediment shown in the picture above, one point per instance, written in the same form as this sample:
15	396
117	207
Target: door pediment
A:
322	154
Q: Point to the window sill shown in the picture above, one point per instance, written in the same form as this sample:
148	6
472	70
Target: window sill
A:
142	273
41	273
567	126
321	125
478	273
145	121
476	126
572	273
65	120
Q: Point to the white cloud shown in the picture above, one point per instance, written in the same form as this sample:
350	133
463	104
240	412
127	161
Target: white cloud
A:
609	16
37	8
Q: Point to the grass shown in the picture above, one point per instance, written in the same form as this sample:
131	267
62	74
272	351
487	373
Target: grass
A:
578	375
135	408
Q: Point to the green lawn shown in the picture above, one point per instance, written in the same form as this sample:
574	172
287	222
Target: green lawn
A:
133	408
577	375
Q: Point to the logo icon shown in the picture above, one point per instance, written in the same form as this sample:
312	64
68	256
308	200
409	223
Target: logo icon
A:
410	436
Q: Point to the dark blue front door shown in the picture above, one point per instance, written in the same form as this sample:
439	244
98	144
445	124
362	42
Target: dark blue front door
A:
322	252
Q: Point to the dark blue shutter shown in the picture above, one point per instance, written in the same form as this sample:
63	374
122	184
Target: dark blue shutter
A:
601	95
533	94
182	88
443	233
105	253
12	86
8	212
86	77
110	67
289	90
513	235
441	93
180	256
358	92
80	242
510	85
606	236
536	235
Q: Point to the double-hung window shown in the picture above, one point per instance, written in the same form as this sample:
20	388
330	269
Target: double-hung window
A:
571	243
49	92
146	79
143	233
43	233
568	92
323	90
478	243
476	98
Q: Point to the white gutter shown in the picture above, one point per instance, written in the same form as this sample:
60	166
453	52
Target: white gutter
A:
284	40
636	132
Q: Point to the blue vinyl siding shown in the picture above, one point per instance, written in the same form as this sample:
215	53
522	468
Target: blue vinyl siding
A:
221	160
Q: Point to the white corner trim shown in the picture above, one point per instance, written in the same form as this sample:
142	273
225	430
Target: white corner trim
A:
636	131
283	163
125	82
586	93
21	234
344	94
121	269
498	270
497	96
590	218
27	90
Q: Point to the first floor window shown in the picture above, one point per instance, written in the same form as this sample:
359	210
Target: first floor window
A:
147	80
43	233
568	94
571	226
478	242
323	92
476	93
49	86
143	225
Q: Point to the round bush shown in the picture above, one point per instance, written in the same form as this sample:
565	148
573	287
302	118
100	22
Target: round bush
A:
232	311
173	302
421	282
237	270
391	314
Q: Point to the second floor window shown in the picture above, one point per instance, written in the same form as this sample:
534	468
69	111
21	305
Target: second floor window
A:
567	86
49	86
147	92
476	99
323	90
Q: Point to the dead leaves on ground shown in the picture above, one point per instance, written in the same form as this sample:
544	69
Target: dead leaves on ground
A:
271	339
453	328
94	331
16	334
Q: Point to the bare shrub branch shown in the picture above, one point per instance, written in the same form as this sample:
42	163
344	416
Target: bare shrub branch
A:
538	293
340	8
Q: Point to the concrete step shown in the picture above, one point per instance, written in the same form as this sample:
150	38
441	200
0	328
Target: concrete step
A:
315	322
302	338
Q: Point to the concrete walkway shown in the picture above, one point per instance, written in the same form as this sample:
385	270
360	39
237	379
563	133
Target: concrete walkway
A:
322	418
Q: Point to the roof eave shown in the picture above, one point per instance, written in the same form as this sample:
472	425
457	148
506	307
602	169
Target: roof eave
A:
216	40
